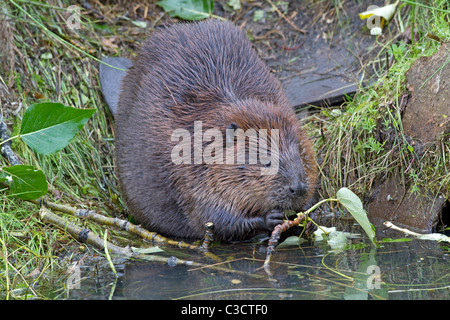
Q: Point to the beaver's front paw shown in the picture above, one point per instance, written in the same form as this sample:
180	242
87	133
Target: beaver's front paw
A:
273	218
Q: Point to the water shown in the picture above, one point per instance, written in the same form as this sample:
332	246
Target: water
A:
417	269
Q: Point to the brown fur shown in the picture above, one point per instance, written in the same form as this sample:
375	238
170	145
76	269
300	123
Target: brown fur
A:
205	71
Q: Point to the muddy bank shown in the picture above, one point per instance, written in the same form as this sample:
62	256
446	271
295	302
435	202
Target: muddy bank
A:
426	123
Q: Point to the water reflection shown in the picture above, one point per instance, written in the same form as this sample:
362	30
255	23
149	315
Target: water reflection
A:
407	270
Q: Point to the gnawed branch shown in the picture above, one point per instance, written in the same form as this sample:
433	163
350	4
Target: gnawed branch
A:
86	236
209	237
276	234
439	237
81	234
114	222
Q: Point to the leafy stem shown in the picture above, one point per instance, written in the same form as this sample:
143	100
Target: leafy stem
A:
314	207
9	139
346	198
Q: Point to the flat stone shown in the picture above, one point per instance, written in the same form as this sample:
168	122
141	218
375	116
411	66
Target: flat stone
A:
330	61
111	79
328	75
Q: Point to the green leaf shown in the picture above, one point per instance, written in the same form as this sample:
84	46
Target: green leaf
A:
353	204
25	182
258	15
48	127
291	241
188	9
234	4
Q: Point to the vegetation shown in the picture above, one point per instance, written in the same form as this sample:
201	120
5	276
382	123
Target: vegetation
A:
367	130
44	59
82	173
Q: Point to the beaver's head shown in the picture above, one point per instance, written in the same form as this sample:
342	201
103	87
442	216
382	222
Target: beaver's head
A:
259	160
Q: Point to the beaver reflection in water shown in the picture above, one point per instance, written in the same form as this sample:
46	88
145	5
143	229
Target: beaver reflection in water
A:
207	72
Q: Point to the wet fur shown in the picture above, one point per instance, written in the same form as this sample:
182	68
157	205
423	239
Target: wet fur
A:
209	72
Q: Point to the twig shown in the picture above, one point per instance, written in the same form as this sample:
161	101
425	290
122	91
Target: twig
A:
122	225
6	145
406	231
276	234
209	236
82	235
428	236
114	222
286	19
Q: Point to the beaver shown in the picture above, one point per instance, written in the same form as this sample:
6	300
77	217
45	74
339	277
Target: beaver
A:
207	72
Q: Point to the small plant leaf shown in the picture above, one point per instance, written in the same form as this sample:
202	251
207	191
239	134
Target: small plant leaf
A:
25	182
353	204
188	9
48	127
396	240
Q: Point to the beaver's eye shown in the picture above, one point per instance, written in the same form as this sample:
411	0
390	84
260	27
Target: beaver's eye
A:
233	126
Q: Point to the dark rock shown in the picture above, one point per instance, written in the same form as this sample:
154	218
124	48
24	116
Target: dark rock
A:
110	79
395	201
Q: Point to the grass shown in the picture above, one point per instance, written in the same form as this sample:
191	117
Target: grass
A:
38	65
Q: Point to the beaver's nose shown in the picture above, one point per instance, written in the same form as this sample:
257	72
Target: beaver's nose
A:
297	189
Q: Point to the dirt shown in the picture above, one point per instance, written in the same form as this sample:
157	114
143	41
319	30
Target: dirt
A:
394	201
426	117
